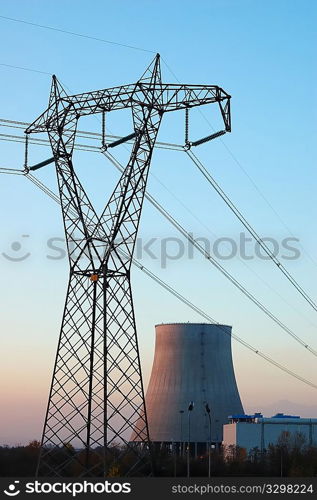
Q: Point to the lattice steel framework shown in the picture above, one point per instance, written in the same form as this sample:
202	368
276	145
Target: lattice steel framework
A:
96	399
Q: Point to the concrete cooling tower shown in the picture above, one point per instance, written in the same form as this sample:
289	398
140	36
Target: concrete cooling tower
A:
192	363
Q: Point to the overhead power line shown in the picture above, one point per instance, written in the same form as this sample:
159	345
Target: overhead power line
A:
175	76
95	149
258	190
224	145
42	186
25	69
11	171
214	262
189	303
81	147
242	261
203	170
241	167
249	228
84	134
80	35
211	320
207	175
162	145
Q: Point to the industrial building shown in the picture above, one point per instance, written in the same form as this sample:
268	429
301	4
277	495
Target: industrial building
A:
256	431
192	388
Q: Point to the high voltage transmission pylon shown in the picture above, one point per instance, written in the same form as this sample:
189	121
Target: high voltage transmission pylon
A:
96	399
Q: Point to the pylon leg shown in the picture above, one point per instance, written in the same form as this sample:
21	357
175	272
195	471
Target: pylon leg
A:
97	395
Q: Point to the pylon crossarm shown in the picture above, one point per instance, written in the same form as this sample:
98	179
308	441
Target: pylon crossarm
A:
167	97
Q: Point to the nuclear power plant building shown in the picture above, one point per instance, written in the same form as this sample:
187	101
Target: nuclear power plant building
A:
256	431
192	388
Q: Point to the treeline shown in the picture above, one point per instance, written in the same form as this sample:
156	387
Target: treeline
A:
291	456
19	461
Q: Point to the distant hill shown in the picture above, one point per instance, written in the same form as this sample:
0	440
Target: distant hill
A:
284	406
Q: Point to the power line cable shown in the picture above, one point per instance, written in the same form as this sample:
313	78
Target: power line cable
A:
4	122
259	191
239	215
73	33
233	156
207	175
190	304
228	150
197	162
207	228
81	147
162	145
42	186
211	320
237	162
245	291
10	171
138	48
173	73
25	69
214	262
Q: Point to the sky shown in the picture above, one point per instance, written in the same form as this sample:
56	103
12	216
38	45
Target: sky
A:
263	55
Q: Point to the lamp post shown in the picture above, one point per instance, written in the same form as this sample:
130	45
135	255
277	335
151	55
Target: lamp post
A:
181	447
209	457
217	435
174	454
190	409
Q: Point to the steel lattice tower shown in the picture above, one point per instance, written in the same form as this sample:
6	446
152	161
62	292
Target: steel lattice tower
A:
96	398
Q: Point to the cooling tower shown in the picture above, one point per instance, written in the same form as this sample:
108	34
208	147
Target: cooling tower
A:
192	363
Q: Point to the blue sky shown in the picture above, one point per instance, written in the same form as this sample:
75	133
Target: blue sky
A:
263	54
